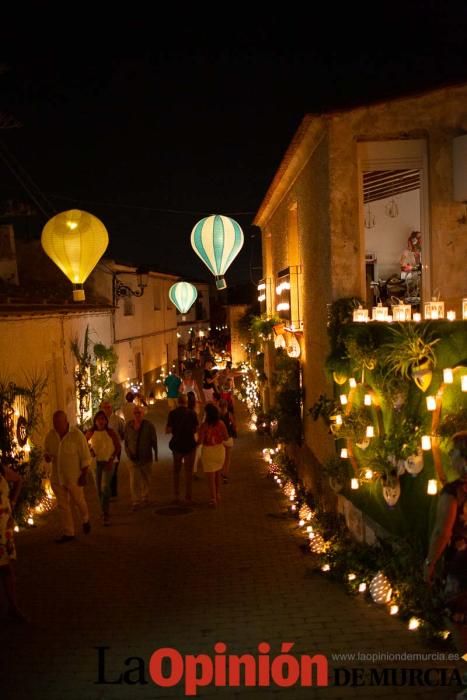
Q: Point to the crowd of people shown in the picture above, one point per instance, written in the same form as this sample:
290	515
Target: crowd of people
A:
200	421
202	429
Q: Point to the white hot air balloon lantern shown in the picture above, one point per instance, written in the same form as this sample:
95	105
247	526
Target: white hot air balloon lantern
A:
183	295
217	240
75	240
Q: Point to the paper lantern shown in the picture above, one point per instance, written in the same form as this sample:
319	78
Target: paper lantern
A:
379	313
448	376
279	341
293	347
360	315
305	512
183	295
317	544
380	589
401	312
434	309
217	240
75	240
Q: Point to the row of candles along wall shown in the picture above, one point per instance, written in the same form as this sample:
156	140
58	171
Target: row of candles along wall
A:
380	587
433	310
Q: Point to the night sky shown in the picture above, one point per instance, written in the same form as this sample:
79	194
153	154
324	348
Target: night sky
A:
151	124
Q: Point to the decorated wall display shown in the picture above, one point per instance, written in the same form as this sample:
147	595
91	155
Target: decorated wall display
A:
404	428
21	431
19	417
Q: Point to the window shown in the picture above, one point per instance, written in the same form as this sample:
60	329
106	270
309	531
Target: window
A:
264	294
288	294
394	222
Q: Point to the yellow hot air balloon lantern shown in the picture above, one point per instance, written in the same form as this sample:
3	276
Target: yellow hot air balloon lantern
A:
75	240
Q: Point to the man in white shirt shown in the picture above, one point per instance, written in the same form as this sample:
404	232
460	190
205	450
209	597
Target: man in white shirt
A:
68	451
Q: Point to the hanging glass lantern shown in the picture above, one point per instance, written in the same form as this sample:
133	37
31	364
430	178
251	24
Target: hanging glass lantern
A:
217	240
75	240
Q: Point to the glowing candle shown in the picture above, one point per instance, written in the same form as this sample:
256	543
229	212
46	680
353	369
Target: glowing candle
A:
344	453
354	484
367	399
370	431
414	623
426	442
432	487
448	376
431	403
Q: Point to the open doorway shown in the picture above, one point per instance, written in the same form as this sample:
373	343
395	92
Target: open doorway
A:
394	222
393	250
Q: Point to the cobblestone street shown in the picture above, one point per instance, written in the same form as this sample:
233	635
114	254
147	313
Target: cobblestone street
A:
185	578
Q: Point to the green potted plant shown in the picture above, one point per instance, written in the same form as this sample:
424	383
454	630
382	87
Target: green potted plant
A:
410	353
337	471
354	426
338	367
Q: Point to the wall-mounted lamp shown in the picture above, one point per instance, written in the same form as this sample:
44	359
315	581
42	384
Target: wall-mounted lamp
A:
123	290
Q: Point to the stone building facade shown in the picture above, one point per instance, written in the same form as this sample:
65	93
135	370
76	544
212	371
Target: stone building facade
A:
316	220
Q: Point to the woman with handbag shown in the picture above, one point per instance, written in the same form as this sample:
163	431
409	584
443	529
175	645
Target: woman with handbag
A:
105	447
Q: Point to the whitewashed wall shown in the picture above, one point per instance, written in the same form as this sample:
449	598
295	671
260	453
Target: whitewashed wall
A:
40	343
388	238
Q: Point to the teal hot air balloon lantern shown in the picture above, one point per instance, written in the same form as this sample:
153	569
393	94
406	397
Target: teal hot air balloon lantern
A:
217	240
183	295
